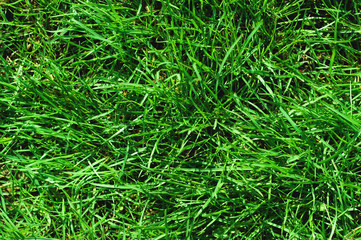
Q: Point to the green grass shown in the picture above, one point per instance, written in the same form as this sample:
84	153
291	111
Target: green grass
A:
182	119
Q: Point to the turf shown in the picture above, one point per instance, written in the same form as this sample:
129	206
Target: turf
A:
182	119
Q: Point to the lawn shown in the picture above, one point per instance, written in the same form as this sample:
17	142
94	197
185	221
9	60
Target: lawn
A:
180	119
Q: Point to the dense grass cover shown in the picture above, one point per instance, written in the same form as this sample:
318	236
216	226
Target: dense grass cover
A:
180	119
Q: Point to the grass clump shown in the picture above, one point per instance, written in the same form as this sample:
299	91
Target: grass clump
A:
180	119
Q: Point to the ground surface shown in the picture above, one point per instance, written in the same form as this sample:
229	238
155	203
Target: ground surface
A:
184	119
